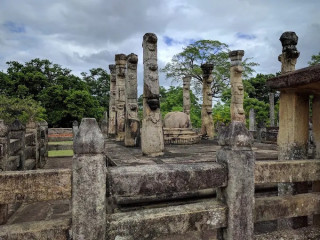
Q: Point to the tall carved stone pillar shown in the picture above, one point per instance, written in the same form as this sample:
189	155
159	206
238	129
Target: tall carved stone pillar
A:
132	126
152	142
236	108
186	97
271	109
121	62
207	127
112	125
293	125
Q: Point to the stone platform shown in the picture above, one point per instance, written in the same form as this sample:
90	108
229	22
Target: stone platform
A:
180	136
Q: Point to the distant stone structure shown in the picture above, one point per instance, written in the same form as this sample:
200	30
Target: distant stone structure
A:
121	62
104	125
152	142
186	97
271	109
132	123
207	127
112	123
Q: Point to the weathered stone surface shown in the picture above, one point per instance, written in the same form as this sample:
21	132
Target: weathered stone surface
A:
121	61
180	136
75	128
132	123
89	139
236	154
316	124
186	97
287	171
176	120
252	120
271	109
307	233
165	181
152	223
152	143
272	208
112	126
207	127
37	185
43	230
237	90
89	183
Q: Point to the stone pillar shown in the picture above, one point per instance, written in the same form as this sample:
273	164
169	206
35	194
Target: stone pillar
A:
89	183
75	128
271	104
104	125
34	128
207	127
4	152
112	124
121	61
18	131
236	108
132	124
186	97
237	155
293	125
252	119
152	142
44	143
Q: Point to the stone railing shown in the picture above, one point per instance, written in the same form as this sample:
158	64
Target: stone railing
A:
106	191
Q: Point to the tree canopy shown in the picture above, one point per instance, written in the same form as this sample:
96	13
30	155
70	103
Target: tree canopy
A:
315	59
188	62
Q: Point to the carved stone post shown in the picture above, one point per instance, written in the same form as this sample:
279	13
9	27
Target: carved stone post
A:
18	131
293	125
75	128
132	125
236	108
252	119
4	151
104	125
152	142
33	145
271	104
112	126
186	97
121	61
89	183
44	143
207	127
236	153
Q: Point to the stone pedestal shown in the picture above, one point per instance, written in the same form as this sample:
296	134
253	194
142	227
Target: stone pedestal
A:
132	123
207	127
152	143
186	97
121	62
112	123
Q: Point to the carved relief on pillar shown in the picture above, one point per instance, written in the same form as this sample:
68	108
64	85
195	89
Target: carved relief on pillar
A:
290	54
237	90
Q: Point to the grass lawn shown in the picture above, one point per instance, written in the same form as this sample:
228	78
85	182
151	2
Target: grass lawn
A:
60	153
61	143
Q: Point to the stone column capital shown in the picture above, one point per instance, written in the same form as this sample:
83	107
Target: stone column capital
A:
112	68
289	41
207	68
236	57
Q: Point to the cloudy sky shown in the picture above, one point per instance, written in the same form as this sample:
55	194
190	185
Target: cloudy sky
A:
84	34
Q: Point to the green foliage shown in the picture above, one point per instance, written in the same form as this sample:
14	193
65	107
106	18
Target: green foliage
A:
315	59
221	113
189	61
55	87
24	110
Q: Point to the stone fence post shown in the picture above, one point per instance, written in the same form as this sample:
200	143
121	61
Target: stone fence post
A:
75	128
44	139
89	183
18	131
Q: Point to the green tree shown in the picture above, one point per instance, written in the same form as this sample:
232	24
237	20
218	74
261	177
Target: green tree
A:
189	61
315	59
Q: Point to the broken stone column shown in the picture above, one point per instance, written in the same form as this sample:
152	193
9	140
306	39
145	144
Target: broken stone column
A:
271	104
186	97
88	183
207	127
112	124
152	142
4	153
293	125
252	119
132	124
237	91
237	155
121	61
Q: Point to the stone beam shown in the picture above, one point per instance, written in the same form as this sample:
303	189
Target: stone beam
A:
207	127
159	182
287	171
41	230
112	124
132	123
34	186
152	142
152	223
273	208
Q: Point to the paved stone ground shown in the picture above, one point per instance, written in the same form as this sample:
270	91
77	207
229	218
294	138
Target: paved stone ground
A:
119	155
